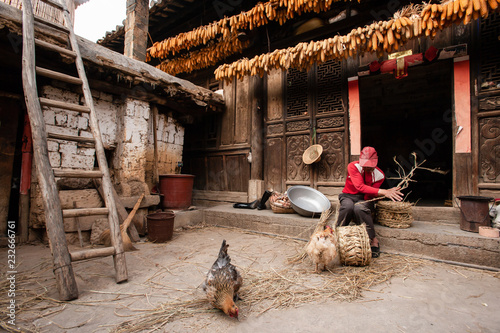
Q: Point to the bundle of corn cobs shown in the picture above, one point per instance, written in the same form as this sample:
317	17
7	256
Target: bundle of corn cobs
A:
383	36
221	36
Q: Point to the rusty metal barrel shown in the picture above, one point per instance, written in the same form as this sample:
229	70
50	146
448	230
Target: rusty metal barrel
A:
475	212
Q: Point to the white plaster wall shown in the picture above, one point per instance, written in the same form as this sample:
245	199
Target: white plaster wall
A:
130	157
170	136
65	154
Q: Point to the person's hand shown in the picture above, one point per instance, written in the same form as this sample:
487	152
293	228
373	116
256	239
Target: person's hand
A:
393	193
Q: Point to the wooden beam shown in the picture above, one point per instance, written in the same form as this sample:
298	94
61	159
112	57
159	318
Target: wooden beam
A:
92	253
64	105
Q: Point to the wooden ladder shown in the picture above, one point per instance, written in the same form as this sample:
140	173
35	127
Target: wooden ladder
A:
54	215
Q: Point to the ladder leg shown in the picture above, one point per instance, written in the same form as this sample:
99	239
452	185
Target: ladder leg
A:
65	279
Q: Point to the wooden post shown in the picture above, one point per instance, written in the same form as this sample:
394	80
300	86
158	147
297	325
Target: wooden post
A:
63	271
257	131
156	176
24	198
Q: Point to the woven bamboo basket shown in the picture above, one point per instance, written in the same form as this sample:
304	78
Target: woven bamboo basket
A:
280	204
354	245
395	214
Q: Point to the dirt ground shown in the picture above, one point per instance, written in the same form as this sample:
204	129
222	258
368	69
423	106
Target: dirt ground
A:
163	292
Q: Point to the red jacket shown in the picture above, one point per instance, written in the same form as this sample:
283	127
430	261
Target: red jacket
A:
358	182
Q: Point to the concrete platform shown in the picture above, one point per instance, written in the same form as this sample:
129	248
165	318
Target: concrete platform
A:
443	240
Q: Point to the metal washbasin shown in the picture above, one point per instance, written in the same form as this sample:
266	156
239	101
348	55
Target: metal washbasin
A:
307	201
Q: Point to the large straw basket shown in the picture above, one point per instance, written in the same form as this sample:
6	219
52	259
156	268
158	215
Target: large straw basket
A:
395	214
280	204
354	245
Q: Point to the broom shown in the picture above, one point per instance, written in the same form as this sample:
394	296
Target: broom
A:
105	237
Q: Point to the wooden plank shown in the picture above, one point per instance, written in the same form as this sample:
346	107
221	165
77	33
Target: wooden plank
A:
77	173
228	122
257	130
63	105
58	76
51	24
489	186
220	196
243	111
53	4
462	174
70	137
92	253
85	212
63	271
55	48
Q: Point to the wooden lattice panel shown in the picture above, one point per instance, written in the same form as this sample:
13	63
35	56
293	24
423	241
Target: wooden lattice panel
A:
329	83
489	151
296	93
331	165
296	170
489	44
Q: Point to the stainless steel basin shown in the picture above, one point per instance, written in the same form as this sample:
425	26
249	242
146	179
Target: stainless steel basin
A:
307	201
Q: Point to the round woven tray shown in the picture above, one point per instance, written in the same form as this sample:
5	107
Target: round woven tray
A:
354	245
395	214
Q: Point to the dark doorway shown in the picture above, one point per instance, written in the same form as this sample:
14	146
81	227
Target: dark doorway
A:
413	114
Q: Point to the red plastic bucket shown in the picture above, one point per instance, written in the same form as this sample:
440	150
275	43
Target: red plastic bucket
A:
177	191
475	212
160	226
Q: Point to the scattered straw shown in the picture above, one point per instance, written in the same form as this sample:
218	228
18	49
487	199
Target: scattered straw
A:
284	288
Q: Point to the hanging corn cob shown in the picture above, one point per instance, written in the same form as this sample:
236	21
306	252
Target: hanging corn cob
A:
261	14
383	36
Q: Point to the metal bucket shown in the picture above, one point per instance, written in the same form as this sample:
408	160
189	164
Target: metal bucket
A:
160	226
475	212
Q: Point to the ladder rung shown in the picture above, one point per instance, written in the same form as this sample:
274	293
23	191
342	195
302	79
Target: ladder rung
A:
58	76
92	253
55	48
52	24
53	4
85	212
75	138
77	173
64	105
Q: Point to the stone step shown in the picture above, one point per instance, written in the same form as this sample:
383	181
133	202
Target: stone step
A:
430	239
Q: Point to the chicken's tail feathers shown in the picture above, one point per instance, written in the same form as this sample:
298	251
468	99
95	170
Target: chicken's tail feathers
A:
223	258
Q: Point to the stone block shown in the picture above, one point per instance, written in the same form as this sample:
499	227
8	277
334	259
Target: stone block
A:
61	119
55	159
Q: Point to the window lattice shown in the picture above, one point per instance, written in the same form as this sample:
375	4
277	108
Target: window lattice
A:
296	93
329	87
490	56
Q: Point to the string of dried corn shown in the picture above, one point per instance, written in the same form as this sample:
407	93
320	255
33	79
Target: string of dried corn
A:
228	27
382	36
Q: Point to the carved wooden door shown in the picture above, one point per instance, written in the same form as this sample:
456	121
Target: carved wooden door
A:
489	106
299	103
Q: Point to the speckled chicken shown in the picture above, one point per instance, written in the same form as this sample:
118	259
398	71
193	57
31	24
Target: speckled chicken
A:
322	248
222	283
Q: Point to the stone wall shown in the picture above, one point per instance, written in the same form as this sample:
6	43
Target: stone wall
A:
126	127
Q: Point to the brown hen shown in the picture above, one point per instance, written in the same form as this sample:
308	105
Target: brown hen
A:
222	283
322	248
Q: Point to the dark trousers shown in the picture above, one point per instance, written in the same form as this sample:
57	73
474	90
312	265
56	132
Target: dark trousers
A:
360	213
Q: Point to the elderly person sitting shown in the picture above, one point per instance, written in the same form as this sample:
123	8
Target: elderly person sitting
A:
363	183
